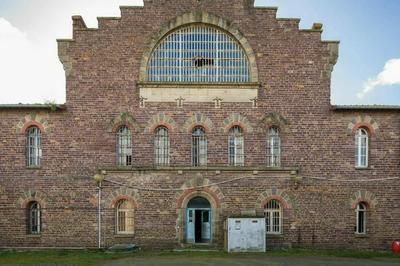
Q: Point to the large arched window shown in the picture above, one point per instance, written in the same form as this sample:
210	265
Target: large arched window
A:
236	146
33	146
199	54
361	151
273	217
273	147
124	146
199	147
361	218
161	146
124	217
34	218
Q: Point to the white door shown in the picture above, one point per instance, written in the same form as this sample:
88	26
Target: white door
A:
205	225
190	226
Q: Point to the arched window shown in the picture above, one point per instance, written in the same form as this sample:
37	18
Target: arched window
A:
161	146
199	147
34	218
236	149
273	147
361	152
124	217
33	147
124	146
361	213
273	217
198	53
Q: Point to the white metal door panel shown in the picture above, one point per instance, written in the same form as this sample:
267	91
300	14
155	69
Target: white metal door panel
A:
205	225
190	220
246	234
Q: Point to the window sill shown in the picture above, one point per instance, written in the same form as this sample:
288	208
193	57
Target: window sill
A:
274	235
361	235
363	168
124	235
33	167
34	235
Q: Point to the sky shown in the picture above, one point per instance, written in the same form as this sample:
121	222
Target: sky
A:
367	71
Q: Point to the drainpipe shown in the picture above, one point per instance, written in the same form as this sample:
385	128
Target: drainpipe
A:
98	178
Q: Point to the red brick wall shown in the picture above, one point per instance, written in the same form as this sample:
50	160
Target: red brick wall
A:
103	83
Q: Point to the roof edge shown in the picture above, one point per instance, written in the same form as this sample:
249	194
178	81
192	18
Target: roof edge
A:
52	107
365	107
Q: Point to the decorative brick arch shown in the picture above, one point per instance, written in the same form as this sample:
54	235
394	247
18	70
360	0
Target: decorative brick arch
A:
198	187
198	119
205	18
32	120
236	120
363	196
124	119
363	121
160	119
272	119
274	193
129	194
29	196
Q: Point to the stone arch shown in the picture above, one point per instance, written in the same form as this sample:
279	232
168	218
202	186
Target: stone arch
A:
123	193
198	187
160	119
236	120
272	119
198	119
32	120
363	196
124	119
364	121
205	18
273	193
31	195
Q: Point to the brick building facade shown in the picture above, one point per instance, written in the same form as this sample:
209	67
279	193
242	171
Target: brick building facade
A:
132	123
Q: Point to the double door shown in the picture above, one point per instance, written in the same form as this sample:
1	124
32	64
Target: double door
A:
198	225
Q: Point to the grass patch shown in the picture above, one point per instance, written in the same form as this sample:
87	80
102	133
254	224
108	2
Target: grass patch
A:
91	257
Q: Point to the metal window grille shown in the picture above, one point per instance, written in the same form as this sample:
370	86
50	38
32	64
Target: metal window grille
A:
199	147
33	147
273	217
361	212
34	218
361	151
273	148
124	146
161	146
124	217
200	54
236	146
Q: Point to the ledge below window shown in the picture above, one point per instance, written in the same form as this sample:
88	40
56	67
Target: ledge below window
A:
33	167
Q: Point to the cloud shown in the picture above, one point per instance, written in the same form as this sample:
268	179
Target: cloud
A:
390	75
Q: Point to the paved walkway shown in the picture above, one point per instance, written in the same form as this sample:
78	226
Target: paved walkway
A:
245	260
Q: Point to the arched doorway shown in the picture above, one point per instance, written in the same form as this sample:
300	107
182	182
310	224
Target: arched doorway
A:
198	220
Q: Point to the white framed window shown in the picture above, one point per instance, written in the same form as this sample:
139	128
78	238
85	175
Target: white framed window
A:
361	218
33	146
273	217
124	146
273	147
34	218
124	217
199	147
361	148
236	146
161	146
201	54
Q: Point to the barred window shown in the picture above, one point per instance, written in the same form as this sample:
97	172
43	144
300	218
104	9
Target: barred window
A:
198	53
273	217
34	218
361	212
236	149
361	152
199	147
124	217
273	147
33	147
124	146
161	146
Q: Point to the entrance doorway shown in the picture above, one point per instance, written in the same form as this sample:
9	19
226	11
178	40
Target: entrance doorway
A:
198	221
